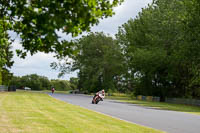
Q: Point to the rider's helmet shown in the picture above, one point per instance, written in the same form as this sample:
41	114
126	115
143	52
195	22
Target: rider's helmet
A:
103	91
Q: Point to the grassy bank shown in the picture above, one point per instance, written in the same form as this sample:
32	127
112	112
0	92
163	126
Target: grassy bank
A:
167	106
158	105
26	112
118	96
56	91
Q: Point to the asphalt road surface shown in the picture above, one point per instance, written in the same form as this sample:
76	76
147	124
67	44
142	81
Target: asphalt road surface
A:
168	121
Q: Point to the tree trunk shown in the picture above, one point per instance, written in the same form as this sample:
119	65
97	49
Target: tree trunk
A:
0	77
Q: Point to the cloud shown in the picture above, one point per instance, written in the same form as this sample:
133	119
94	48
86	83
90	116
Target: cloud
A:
129	9
40	62
36	64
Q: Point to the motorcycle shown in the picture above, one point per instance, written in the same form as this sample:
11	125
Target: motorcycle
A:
96	99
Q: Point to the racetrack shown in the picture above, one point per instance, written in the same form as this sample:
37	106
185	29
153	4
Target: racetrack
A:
169	121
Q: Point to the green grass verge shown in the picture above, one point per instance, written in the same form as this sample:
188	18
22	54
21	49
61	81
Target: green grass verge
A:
166	106
157	105
118	96
56	91
28	112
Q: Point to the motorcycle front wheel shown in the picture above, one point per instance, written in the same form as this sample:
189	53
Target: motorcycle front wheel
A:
97	101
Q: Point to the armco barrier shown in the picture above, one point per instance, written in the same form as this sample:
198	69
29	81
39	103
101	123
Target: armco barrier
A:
170	100
156	99
148	98
183	101
3	88
144	98
12	88
139	97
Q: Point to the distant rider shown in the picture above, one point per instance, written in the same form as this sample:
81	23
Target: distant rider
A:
52	90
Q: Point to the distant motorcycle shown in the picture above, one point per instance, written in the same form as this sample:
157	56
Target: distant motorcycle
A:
96	99
52	90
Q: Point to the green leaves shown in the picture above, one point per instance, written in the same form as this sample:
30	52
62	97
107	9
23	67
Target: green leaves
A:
99	61
161	47
37	21
0	76
5	46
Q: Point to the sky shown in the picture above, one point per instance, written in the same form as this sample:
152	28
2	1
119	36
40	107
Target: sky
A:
40	62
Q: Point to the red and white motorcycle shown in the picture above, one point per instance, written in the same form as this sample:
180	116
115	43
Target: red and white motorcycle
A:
97	98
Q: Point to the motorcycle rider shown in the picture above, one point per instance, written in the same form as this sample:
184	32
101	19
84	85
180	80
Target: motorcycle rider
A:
101	94
52	90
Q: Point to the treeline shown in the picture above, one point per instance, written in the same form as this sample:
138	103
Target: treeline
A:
6	55
157	53
162	49
36	23
36	82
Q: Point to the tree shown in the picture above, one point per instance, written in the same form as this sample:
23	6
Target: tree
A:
61	85
192	44
46	84
0	78
38	22
32	81
99	62
37	82
16	81
158	49
73	83
6	53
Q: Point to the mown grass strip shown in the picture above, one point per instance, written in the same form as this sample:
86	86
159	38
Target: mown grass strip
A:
166	106
157	105
26	112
